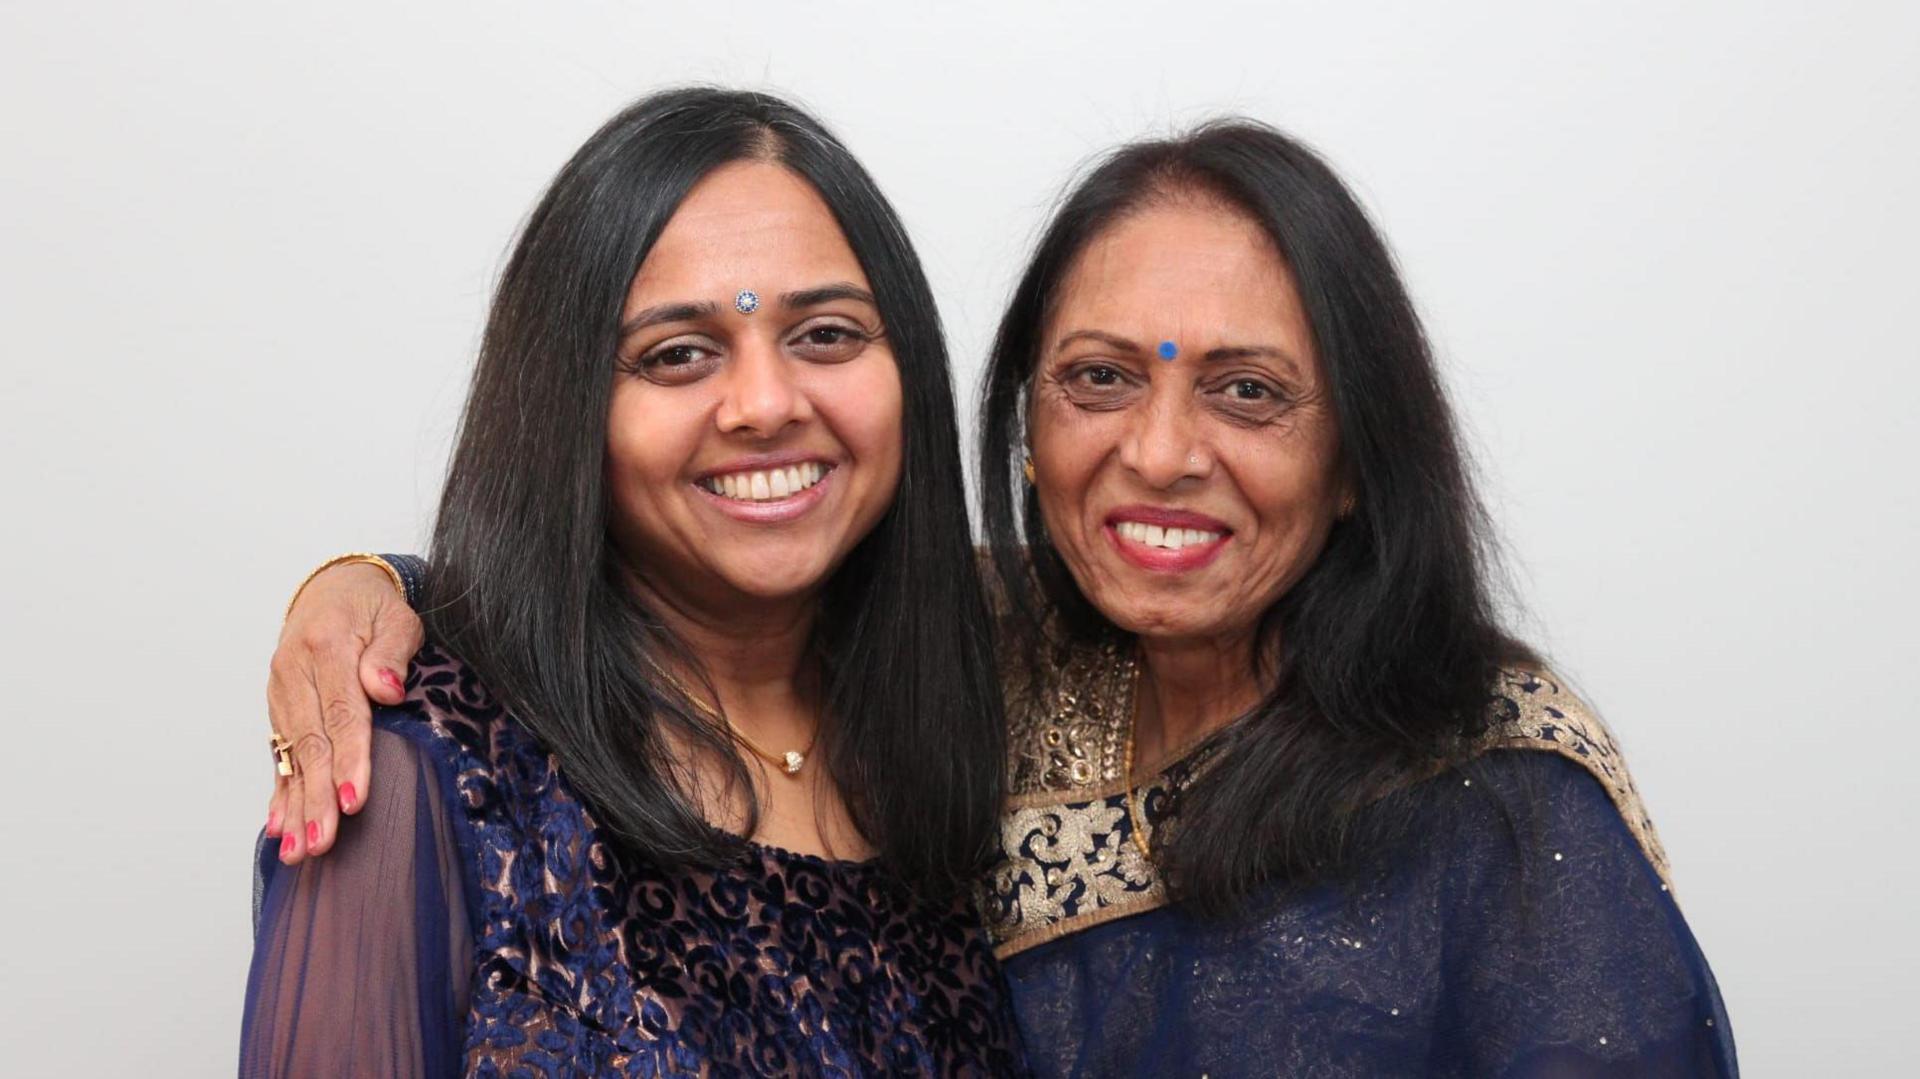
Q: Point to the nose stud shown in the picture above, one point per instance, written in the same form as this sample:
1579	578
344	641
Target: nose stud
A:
746	301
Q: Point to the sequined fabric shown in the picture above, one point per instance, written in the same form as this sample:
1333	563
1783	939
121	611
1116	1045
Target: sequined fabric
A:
1067	859
1536	934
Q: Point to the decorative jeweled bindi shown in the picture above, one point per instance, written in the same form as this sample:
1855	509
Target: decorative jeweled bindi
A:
746	301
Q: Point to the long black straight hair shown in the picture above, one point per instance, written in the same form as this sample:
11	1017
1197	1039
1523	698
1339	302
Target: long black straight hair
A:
529	589
1381	659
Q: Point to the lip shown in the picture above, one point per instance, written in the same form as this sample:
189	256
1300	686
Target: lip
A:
1161	559
1167	518
773	511
761	462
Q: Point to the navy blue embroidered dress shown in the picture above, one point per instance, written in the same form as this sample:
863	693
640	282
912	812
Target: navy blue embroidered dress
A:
472	920
1537	936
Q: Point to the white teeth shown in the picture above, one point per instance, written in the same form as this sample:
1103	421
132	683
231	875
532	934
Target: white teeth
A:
766	486
1169	538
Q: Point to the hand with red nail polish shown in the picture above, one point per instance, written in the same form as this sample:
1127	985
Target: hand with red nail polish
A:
344	648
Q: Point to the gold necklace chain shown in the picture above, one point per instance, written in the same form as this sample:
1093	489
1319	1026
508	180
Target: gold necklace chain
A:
789	762
1136	820
1133	726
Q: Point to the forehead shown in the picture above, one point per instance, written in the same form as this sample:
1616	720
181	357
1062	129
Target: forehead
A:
753	225
1187	267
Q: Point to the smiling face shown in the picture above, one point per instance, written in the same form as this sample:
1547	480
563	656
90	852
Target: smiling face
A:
751	443
1186	487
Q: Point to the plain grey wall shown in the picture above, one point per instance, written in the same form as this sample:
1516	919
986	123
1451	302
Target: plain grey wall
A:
1666	252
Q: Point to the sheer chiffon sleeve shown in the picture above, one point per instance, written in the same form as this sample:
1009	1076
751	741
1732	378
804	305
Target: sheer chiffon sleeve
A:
362	959
1567	956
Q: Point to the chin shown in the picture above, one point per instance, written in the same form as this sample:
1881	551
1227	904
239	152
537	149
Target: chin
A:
781	578
1174	622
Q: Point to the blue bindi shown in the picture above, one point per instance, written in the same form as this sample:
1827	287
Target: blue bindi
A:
1168	350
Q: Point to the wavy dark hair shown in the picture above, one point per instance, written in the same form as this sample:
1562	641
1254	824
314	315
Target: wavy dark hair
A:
1379	662
528	587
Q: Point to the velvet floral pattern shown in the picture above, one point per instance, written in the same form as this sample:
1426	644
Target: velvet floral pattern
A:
588	964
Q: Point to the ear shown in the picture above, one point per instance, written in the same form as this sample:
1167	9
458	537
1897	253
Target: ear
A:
1346	497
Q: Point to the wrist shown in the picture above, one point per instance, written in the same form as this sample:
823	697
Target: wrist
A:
412	570
356	558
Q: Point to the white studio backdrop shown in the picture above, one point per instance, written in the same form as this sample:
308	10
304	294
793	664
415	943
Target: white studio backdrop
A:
1666	252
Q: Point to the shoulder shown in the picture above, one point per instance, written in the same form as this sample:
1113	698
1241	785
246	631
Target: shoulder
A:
1534	711
481	753
1068	708
448	711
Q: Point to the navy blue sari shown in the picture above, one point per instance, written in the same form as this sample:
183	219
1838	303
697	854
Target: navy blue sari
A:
1531	933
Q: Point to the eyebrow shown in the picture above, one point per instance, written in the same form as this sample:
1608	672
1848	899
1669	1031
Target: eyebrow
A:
666	312
1251	352
1229	352
1107	339
814	297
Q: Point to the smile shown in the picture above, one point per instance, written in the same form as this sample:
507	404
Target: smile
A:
766	485
1172	539
1165	540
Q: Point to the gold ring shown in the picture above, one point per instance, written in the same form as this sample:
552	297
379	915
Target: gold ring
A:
282	754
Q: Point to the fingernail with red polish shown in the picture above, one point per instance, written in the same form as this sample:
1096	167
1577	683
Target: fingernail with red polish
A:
273	823
393	680
313	833
286	845
346	796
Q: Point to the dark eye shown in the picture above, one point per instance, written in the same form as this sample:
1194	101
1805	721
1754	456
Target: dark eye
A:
827	335
830	342
672	356
675	363
1101	375
1247	389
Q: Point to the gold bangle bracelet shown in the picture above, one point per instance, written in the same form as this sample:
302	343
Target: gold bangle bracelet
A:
344	560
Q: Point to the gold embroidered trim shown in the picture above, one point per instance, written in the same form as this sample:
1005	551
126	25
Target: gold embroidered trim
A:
1070	734
1534	710
1068	862
1067	867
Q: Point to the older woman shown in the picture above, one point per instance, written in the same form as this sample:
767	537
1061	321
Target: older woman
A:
1285	797
1286	800
699	757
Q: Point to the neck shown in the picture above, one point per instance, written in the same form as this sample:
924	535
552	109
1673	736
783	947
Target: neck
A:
1190	688
754	656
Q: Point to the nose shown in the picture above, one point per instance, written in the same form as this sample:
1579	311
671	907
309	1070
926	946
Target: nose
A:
762	398
1164	445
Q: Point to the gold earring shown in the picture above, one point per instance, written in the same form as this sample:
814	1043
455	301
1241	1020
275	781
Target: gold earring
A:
1028	469
1347	506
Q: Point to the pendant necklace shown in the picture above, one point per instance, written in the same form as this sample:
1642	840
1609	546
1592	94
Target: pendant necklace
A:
790	761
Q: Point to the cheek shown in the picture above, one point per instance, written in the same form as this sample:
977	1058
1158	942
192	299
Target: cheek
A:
1291	495
649	442
864	405
641	444
1068	446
